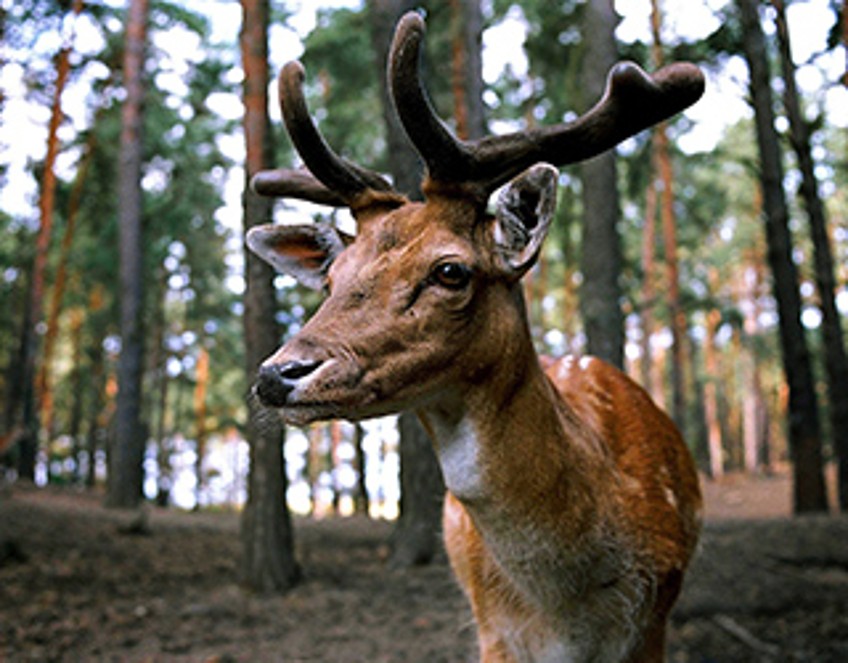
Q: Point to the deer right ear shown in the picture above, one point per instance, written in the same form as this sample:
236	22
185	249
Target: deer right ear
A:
303	252
524	212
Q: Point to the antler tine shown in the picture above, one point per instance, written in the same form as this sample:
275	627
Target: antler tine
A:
290	183
330	179
447	158
633	101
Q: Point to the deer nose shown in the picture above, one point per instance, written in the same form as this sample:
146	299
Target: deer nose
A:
276	381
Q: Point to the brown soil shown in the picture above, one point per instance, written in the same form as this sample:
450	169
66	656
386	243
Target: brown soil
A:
74	588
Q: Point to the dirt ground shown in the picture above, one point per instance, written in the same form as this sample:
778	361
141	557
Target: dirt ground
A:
73	588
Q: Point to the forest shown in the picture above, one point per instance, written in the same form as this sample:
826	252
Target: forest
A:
706	257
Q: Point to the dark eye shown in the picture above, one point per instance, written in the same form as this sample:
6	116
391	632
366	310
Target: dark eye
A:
452	275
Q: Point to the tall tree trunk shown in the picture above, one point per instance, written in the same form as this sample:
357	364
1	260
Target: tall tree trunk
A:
417	533
404	164
126	460
804	428
677	318
600	261
268	563
467	68
836	362
25	407
59	283
202	380
649	239
362	503
715	449
754	424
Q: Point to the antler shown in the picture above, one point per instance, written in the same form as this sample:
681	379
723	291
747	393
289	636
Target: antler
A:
633	101
330	179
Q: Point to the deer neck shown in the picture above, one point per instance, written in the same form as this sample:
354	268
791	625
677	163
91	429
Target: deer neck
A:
512	435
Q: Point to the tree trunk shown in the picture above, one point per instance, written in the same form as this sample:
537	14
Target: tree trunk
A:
600	261
754	412
417	533
362	502
417	536
715	448
404	164
804	429
202	380
24	406
677	318
59	283
836	362
268	563
467	69
649	239
126	474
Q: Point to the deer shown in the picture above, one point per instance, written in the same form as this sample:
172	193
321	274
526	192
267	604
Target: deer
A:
573	505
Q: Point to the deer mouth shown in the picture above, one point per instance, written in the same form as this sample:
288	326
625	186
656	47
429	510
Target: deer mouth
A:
306	390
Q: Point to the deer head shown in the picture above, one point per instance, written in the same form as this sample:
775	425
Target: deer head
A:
423	303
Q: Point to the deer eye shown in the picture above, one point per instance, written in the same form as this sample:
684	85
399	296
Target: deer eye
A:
452	275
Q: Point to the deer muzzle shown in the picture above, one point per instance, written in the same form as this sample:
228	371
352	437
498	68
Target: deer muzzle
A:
275	382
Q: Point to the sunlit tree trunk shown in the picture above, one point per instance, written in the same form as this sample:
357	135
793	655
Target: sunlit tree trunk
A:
268	563
59	285
677	318
649	239
25	398
126	474
804	428
600	260
201	383
836	361
467	68
711	366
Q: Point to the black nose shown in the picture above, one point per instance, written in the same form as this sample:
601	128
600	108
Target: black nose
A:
275	382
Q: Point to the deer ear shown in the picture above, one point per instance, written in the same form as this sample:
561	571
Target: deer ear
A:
304	252
523	214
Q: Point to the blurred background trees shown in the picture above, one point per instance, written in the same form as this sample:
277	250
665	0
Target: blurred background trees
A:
664	256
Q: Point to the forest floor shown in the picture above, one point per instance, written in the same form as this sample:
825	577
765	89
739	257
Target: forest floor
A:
765	587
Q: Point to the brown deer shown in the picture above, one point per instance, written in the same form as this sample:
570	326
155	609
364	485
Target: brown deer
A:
573	505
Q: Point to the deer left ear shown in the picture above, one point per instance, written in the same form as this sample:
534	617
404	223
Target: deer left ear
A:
523	215
304	252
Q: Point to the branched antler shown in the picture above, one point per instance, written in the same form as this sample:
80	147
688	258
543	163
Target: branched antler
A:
330	179
633	101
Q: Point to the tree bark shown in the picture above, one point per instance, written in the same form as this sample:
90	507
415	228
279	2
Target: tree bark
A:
600	261
126	474
836	362
44	387
649	238
715	447
418	530
467	69
24	411
268	563
804	428
677	318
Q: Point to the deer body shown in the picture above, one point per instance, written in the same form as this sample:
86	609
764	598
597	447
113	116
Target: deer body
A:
578	552
573	506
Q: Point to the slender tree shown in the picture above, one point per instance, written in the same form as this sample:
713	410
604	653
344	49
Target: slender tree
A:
416	537
804	428
663	168
127	453
600	261
23	395
836	361
268	563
